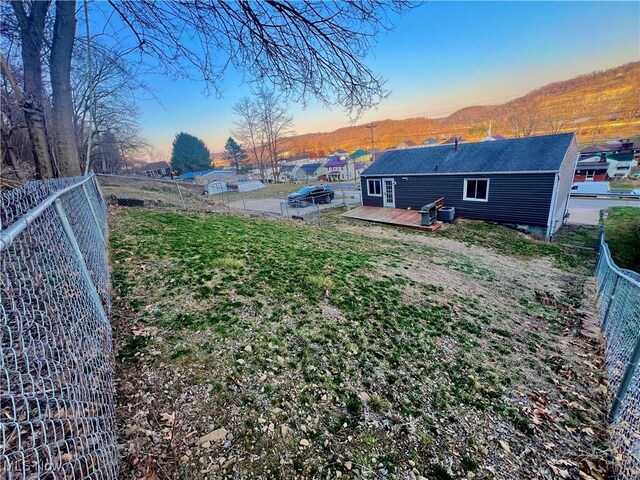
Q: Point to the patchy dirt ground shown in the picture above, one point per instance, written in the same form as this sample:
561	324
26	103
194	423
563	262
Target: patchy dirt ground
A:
265	349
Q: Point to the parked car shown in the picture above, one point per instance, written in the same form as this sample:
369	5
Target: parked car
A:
312	194
590	188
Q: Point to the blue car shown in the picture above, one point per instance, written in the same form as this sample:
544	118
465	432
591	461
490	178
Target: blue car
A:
311	195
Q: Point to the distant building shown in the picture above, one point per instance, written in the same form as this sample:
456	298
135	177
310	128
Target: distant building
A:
340	153
407	144
619	146
156	169
490	137
605	166
310	171
493	138
340	170
430	142
452	141
593	169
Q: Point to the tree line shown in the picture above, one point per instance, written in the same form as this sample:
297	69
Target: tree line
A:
70	98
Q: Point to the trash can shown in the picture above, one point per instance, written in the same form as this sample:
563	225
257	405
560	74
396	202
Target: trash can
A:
428	214
446	214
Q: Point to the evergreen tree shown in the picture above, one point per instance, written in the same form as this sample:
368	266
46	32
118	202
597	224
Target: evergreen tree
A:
189	154
235	155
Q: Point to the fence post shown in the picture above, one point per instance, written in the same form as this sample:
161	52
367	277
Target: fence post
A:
95	183
181	197
93	212
68	231
625	382
612	298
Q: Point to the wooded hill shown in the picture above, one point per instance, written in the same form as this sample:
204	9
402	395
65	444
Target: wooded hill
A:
594	106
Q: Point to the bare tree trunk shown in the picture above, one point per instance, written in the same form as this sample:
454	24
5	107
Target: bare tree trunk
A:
10	153
64	30
32	37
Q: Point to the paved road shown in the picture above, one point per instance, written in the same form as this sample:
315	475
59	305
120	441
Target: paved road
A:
272	205
586	211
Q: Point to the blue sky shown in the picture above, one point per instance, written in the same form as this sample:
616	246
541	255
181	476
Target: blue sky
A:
440	57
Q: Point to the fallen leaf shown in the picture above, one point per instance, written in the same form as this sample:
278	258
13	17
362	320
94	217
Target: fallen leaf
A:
168	418
504	445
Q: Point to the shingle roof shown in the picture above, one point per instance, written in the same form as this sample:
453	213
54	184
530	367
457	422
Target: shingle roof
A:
162	165
335	163
544	153
359	153
191	175
452	140
310	168
287	168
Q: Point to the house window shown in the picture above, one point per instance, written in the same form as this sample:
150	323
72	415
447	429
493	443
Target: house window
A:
476	189
374	188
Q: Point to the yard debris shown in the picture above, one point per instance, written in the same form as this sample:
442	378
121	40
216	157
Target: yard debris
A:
214	436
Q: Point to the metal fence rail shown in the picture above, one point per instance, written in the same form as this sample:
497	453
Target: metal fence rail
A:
57	392
619	310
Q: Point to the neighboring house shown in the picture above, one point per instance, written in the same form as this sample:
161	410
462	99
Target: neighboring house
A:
337	169
287	173
452	141
340	170
407	144
310	171
606	166
621	164
613	147
490	137
156	169
592	169
430	142
493	138
340	153
361	156
523	182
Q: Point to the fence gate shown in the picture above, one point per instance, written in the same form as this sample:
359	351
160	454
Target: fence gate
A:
56	366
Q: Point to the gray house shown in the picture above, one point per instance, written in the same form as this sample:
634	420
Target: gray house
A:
523	182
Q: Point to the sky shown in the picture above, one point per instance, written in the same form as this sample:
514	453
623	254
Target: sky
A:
440	57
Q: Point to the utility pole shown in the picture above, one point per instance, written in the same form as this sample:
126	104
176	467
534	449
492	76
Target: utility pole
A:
371	126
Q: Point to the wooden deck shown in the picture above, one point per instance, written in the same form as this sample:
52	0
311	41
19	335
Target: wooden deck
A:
391	216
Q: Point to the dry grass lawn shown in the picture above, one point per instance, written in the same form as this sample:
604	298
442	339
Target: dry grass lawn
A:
251	348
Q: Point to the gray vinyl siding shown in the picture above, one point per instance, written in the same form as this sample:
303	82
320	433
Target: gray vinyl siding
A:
565	180
523	199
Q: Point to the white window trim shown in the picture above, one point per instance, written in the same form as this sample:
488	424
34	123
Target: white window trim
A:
369	191
464	192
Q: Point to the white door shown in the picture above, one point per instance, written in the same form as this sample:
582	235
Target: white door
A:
388	193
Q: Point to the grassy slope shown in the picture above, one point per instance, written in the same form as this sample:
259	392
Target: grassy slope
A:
622	227
355	343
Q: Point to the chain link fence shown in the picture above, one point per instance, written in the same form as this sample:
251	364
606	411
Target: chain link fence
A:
619	311
57	394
